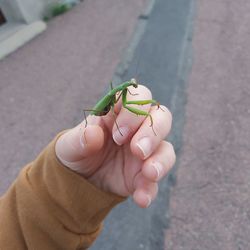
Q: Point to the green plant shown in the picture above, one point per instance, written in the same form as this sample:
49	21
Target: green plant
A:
56	9
59	8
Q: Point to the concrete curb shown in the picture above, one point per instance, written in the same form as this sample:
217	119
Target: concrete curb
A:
136	38
21	36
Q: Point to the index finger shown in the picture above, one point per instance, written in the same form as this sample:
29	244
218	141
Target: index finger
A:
129	119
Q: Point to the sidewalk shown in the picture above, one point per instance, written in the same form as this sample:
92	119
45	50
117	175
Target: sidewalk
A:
46	84
210	204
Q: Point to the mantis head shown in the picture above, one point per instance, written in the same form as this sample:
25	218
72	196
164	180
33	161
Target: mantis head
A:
134	82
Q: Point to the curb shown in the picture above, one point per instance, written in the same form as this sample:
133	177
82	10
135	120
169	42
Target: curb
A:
21	35
129	52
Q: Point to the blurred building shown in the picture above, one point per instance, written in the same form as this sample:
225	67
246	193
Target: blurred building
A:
20	21
23	11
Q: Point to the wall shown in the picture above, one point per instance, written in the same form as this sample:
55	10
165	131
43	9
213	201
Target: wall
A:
25	11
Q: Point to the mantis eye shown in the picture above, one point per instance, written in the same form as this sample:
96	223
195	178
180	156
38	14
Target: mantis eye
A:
133	81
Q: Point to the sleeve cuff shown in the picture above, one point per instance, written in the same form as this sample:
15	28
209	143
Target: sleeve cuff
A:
80	205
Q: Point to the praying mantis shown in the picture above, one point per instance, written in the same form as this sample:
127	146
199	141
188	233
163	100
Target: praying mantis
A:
107	102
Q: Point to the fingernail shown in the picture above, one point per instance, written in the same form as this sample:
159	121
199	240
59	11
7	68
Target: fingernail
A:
144	145
158	168
149	200
120	136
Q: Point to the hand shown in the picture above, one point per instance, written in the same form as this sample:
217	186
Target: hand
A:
127	164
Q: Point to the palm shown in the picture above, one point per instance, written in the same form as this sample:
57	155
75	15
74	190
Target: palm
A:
115	166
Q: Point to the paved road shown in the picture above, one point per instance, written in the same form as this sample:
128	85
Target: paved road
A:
210	205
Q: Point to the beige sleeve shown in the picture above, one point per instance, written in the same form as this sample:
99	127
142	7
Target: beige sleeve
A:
50	207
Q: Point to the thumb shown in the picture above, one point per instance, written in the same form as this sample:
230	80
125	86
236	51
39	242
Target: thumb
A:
79	143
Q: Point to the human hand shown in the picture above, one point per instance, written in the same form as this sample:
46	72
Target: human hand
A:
131	164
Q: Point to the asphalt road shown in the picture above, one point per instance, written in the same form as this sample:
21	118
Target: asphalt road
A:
161	61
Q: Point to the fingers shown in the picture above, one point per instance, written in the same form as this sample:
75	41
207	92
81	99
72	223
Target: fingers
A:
78	143
145	142
154	168
127	121
158	165
145	192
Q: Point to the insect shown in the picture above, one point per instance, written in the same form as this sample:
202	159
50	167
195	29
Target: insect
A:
107	102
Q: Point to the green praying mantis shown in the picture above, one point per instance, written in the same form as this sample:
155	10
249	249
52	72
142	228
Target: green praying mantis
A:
107	102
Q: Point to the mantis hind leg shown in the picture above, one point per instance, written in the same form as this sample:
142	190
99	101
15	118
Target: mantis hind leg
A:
114	114
86	121
85	117
112	107
115	100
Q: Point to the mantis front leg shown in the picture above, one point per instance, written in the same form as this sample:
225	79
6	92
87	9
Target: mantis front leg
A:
136	111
